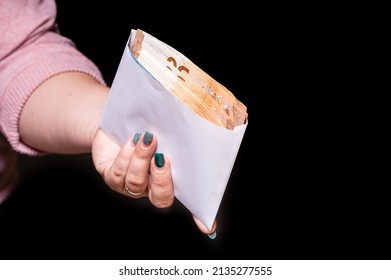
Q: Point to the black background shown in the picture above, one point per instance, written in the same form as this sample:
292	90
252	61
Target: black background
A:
292	194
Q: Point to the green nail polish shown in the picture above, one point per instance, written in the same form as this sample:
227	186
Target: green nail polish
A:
136	137
212	235
148	136
159	160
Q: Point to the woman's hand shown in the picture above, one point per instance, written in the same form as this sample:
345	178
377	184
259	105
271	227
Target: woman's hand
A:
135	170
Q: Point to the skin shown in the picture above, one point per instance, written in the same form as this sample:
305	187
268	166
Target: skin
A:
62	116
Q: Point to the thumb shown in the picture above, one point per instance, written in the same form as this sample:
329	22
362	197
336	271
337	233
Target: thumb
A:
211	233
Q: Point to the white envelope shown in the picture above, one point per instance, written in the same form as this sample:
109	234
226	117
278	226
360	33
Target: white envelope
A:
202	154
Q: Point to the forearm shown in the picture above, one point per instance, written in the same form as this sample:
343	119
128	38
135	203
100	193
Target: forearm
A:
62	115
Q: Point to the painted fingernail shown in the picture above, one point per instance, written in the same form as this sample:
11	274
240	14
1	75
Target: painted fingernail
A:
148	136
212	235
159	160
136	137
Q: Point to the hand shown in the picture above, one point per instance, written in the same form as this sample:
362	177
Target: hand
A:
135	171
131	170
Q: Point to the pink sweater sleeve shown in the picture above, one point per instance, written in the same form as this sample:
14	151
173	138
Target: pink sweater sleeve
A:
31	51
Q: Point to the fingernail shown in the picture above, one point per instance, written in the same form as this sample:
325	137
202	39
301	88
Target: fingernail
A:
148	136
136	137
159	160
212	235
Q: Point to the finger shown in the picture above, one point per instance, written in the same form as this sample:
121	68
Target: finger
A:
211	233
161	192
137	175
115	175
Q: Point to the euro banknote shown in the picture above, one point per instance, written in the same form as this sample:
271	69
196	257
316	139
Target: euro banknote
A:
188	82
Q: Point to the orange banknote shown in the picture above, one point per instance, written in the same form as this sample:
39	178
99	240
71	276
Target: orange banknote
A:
187	82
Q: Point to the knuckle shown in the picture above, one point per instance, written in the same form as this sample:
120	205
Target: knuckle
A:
163	203
162	182
162	198
115	178
135	180
118	173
